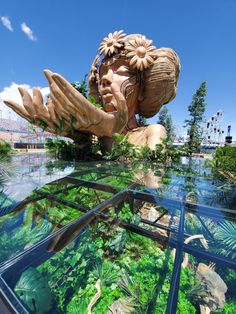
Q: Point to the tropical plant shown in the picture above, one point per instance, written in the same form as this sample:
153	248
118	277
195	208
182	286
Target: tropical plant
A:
7	170
225	237
34	291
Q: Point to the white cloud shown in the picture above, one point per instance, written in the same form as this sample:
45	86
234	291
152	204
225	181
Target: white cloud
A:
28	32
7	23
12	93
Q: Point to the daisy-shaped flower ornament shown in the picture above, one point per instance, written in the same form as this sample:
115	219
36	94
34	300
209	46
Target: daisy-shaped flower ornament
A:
141	53
111	44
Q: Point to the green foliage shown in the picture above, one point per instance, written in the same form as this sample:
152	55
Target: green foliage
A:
225	236
196	110
81	87
86	197
166	120
118	243
125	213
68	271
5	148
141	120
68	150
136	277
192	225
93	102
163	152
62	149
6	170
34	291
123	149
132	268
225	159
42	124
229	277
229	308
39	220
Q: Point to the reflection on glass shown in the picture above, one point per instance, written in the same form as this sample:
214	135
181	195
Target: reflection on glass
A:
21	230
215	234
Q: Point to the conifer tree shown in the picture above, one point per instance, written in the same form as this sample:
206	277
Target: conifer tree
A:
196	111
166	120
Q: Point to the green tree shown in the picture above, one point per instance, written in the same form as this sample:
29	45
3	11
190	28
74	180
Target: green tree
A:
82	87
196	110
141	120
166	120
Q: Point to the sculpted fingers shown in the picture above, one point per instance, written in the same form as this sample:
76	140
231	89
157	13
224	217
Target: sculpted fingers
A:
52	112
61	99
74	98
20	110
55	92
48	75
27	102
59	110
38	102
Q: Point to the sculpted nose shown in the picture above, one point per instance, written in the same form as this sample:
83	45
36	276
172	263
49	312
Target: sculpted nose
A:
107	79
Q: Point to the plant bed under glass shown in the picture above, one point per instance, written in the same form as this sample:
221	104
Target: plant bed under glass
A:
147	244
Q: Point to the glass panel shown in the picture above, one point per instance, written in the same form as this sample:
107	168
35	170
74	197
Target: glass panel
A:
29	171
27	226
105	267
206	287
215	234
87	197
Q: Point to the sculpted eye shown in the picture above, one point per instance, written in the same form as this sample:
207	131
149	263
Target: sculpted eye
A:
123	70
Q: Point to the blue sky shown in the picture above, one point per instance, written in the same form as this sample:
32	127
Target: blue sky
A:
64	36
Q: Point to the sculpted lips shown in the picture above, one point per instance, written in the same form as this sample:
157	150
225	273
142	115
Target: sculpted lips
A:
106	94
107	98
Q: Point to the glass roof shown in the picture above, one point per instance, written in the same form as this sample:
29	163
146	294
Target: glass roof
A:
110	236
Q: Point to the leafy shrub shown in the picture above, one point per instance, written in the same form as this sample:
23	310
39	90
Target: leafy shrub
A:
5	148
123	149
225	159
68	150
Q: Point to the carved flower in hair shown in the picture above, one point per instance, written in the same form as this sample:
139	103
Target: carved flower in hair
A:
112	43
141	53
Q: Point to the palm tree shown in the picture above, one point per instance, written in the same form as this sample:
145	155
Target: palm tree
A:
225	236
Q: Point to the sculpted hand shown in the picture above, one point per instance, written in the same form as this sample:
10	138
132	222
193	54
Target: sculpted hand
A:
36	112
66	104
87	118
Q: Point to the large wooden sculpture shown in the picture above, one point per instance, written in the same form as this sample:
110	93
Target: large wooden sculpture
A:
130	76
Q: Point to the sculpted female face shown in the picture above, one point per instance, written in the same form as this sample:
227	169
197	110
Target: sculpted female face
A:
116	76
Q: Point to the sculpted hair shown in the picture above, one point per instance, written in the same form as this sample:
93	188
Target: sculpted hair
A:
159	82
158	76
